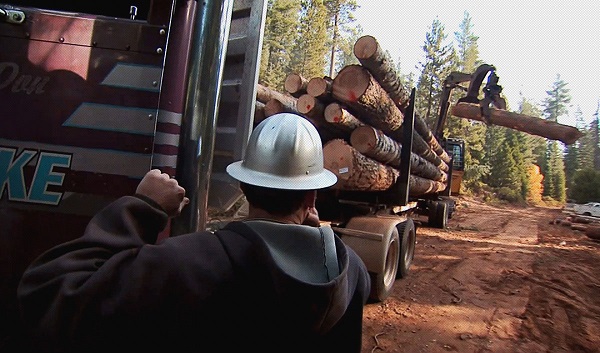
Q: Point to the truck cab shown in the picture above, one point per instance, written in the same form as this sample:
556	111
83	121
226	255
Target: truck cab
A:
95	94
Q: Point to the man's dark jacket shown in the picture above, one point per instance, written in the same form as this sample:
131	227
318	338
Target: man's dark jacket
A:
228	291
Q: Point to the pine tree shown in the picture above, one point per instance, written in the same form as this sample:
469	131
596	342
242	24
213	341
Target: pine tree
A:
345	53
595	137
310	50
473	132
340	15
586	186
538	144
280	33
571	153
468	50
437	65
585	156
494	139
555	105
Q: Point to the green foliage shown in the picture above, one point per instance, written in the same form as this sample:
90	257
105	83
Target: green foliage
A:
573	151
466	41
509	194
345	51
586	186
554	177
308	58
279	36
439	61
340	17
556	104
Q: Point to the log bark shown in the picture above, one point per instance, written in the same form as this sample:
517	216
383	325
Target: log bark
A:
357	88
320	88
275	106
337	114
259	112
375	144
264	94
356	172
313	110
579	227
421	148
295	84
593	232
370	54
528	124
423	130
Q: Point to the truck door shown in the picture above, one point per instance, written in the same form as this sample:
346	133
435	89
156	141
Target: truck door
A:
79	91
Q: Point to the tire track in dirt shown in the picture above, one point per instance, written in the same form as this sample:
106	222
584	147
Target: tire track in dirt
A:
467	289
563	312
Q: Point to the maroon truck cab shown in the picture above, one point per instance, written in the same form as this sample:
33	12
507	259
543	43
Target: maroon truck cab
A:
94	94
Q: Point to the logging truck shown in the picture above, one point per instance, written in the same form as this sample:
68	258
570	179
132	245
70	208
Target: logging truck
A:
94	94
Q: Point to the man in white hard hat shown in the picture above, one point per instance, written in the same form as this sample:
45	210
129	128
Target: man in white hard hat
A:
269	283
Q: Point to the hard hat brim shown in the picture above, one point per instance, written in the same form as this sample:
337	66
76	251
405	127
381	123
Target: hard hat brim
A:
321	180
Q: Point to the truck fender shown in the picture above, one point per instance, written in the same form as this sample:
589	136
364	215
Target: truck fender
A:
375	239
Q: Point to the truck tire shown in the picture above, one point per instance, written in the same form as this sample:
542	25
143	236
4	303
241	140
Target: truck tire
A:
383	282
408	240
376	241
438	215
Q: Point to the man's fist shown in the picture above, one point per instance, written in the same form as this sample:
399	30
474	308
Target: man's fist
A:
164	191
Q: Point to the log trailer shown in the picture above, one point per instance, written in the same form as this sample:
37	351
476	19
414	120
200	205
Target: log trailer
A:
94	94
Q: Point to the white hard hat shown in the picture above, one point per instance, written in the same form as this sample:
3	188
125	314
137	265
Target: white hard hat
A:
284	152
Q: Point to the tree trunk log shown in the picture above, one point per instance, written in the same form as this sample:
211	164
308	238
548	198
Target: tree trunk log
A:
370	54
320	88
357	172
529	124
264	94
378	62
311	107
593	232
275	106
423	130
295	84
421	148
355	86
259	112
335	113
579	227
375	144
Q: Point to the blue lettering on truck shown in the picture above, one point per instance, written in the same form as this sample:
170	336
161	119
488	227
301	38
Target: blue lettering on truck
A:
12	176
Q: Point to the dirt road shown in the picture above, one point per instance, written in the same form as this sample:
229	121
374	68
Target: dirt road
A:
499	279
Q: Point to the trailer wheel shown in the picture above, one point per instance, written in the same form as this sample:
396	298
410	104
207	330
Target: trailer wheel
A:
438	215
376	240
408	240
383	282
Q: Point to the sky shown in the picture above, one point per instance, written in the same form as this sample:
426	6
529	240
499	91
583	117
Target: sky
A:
528	41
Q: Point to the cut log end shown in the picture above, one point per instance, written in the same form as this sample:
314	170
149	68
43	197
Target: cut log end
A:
295	84
364	139
365	47
351	83
307	104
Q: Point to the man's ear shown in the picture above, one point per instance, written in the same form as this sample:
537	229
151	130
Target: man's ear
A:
310	198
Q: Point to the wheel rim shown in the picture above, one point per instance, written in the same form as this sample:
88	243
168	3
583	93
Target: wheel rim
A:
391	263
410	248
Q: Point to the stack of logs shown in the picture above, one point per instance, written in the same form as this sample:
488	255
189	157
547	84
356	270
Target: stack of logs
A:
359	115
589	226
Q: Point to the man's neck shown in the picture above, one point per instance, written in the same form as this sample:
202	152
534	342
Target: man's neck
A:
257	213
